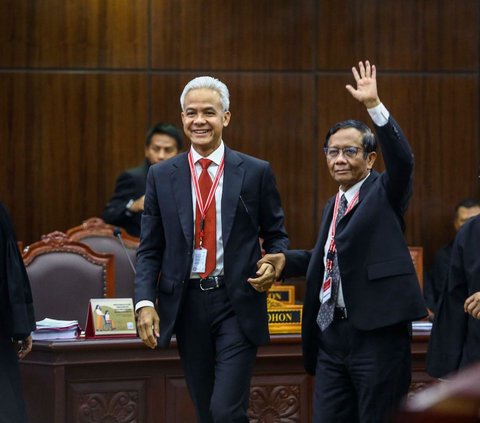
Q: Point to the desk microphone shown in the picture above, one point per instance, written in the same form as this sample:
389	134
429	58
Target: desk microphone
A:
118	234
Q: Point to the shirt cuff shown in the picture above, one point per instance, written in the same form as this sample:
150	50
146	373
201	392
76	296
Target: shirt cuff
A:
143	303
379	114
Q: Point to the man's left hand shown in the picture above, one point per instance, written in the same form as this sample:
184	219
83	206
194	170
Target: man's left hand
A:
265	278
24	347
472	305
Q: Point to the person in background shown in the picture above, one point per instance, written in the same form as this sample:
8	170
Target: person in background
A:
124	209
17	321
362	290
455	338
436	278
205	211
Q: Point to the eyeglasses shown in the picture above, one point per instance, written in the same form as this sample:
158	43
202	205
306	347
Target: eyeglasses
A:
349	152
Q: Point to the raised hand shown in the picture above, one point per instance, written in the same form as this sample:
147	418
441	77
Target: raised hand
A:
366	79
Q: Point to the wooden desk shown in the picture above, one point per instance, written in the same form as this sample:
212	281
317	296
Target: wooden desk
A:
84	381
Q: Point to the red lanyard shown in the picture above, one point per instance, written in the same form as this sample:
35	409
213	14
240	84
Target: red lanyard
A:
332	247
204	207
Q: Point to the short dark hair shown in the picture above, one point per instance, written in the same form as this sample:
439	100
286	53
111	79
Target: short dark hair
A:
369	141
468	203
166	129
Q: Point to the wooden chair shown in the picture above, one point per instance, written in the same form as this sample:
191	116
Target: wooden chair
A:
64	275
101	237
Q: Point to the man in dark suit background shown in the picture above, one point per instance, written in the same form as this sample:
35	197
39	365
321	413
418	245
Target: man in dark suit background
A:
204	213
17	321
124	209
436	278
455	338
362	291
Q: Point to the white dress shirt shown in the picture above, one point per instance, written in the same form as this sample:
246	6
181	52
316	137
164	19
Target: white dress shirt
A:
216	158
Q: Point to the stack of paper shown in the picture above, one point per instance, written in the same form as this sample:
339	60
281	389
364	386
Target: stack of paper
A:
56	329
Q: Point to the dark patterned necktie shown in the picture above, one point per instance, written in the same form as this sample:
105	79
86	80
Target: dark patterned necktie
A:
325	314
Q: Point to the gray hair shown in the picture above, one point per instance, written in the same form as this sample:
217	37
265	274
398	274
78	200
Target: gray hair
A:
211	83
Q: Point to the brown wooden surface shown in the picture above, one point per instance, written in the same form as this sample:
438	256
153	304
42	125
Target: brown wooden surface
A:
81	81
74	34
455	400
122	377
417	257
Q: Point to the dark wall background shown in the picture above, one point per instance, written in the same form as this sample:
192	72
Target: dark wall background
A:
82	80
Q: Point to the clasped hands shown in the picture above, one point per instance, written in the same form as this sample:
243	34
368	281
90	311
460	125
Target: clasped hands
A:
270	268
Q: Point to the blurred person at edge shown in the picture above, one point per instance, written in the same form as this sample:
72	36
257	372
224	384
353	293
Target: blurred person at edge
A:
17	321
436	278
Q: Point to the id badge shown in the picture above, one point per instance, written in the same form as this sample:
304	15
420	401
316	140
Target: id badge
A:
326	289
199	260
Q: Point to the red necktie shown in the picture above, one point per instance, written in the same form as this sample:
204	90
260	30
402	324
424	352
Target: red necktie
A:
210	224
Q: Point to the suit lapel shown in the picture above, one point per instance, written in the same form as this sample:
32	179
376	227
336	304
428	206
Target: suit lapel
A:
325	225
182	192
367	184
232	186
317	255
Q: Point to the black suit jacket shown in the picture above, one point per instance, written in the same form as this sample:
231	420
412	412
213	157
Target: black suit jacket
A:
455	338
250	209
379	282
130	185
17	318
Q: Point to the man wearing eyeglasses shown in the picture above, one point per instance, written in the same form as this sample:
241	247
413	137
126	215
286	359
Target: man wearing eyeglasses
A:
362	291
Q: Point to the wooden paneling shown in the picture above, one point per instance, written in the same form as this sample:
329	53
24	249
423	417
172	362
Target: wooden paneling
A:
73	117
73	34
67	135
231	34
419	35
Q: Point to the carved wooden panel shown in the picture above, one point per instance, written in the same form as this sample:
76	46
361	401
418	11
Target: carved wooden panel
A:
120	401
279	399
273	399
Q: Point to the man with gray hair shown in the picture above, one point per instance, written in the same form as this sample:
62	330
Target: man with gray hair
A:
362	291
204	213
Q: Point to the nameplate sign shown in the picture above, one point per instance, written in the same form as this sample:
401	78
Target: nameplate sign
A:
282	293
110	318
283	318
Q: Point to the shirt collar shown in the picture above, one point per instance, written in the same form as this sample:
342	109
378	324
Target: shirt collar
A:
215	157
353	190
